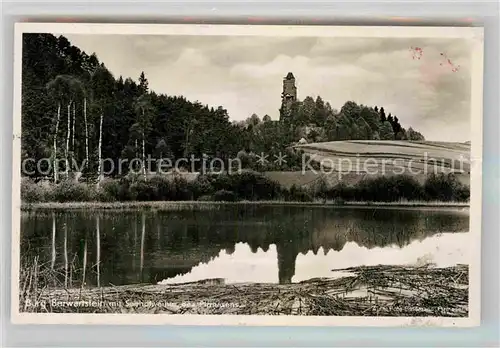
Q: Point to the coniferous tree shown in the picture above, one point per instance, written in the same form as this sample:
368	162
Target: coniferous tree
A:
320	112
390	119
143	84
383	118
397	128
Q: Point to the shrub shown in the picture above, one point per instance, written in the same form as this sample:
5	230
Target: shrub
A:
33	192
71	191
462	193
254	186
388	189
162	188
443	187
342	191
142	190
319	189
110	191
202	186
246	185
408	187
219	181
249	186
299	194
180	190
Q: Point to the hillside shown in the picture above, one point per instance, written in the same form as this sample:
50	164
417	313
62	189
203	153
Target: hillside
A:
374	155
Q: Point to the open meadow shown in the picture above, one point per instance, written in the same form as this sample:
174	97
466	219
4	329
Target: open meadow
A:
351	161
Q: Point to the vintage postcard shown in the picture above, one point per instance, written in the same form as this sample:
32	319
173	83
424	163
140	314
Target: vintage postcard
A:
247	175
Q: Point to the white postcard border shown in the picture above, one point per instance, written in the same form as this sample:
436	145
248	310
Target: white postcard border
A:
476	34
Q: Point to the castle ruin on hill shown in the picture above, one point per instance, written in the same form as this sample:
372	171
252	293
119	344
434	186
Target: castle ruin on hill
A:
288	96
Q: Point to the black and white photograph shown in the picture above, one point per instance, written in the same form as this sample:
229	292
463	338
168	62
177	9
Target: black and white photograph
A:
247	174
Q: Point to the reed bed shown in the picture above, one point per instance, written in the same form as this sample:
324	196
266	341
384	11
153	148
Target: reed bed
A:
360	291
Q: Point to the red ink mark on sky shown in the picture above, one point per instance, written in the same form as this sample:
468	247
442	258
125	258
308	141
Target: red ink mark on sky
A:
433	66
447	62
416	52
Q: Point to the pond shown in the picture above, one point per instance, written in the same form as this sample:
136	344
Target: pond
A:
271	244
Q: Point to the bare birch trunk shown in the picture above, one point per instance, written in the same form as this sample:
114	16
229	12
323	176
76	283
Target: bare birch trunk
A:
73	131
99	170
68	131
98	237
143	157
84	262
143	149
66	255
143	236
136	153
158	237
134	264
56	169
86	132
53	261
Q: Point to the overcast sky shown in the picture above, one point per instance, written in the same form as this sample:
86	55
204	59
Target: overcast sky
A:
244	74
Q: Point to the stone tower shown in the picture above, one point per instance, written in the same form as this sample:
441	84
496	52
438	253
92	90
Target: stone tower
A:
288	96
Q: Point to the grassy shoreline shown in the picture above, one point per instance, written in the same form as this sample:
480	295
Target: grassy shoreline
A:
178	205
358	291
251	187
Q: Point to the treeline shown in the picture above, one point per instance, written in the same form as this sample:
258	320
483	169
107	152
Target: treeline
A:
74	111
250	186
352	122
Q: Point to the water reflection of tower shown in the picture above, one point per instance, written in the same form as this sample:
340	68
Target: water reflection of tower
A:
287	254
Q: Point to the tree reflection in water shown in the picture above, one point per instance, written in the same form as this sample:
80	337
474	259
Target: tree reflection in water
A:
170	244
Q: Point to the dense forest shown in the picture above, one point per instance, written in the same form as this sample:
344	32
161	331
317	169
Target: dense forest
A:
75	111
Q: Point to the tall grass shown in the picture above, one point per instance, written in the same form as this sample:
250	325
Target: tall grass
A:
38	280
